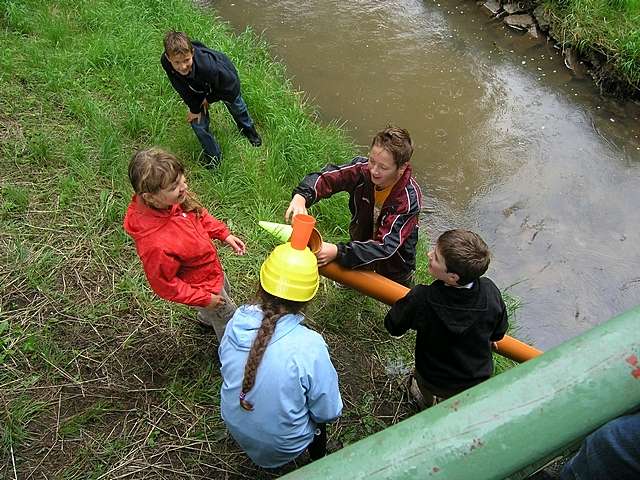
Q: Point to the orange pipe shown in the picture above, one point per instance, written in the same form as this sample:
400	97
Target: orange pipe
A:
389	292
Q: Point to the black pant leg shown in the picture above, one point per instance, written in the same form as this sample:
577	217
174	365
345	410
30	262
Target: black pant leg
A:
318	447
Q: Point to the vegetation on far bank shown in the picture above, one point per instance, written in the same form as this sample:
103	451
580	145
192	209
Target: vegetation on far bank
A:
608	28
98	377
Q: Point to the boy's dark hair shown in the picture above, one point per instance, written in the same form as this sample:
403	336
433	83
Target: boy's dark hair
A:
397	142
465	254
177	43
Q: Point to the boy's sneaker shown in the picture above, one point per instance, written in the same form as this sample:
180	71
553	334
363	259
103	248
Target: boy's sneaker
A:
210	162
252	136
544	475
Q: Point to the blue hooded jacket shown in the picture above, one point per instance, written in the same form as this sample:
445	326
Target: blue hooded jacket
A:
296	387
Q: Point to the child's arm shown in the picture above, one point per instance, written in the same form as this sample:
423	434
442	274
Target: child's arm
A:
216	229
318	185
237	244
216	301
394	231
502	324
297	205
161	270
404	313
321	384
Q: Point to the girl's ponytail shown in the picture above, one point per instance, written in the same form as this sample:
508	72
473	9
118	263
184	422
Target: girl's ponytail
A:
273	309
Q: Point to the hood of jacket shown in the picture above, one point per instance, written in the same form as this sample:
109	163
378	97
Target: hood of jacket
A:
243	326
457	308
142	220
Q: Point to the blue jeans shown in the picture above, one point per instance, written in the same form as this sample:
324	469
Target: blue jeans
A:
239	112
611	452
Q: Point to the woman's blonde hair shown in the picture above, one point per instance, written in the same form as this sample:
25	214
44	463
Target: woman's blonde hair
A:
154	169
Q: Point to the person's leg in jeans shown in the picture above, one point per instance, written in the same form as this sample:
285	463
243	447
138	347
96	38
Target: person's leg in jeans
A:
218	317
318	446
611	452
207	139
240	113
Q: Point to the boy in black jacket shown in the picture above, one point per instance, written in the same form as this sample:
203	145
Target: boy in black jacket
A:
457	318
202	76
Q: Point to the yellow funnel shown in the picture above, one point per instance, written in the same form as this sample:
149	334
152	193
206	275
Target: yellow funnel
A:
290	273
291	270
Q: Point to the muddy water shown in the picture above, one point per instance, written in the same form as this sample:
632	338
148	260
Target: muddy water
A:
509	142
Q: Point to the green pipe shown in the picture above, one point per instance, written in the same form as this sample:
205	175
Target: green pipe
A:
508	423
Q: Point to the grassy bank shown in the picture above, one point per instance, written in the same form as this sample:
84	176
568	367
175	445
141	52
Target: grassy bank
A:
610	28
98	377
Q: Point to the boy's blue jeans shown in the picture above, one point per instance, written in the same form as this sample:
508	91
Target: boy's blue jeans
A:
611	452
239	112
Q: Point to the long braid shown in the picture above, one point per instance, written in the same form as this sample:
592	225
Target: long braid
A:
258	348
273	309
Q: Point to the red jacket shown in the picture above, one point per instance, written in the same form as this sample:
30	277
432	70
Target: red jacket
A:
178	256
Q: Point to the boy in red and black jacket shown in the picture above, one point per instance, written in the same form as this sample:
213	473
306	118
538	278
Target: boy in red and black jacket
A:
458	317
384	200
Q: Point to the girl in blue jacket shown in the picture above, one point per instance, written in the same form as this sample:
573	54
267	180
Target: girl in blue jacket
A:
279	385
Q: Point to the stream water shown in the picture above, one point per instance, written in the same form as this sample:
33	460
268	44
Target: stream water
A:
509	142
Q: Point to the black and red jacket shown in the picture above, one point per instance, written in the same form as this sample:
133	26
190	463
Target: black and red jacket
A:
391	250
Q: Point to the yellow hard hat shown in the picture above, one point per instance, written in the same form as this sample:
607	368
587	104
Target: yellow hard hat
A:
290	273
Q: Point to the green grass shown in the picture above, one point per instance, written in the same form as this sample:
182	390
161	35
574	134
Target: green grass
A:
95	369
18	416
74	425
610	27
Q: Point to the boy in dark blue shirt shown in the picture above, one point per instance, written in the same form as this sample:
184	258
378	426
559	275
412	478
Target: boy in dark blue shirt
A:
202	76
457	317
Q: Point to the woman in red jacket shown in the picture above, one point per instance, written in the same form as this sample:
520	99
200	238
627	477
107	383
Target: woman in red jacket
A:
173	232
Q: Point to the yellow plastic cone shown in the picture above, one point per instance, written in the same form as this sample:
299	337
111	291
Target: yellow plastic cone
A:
281	231
291	270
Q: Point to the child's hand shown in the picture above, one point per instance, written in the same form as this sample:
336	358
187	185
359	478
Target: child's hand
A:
328	253
298	205
216	301
235	243
191	117
494	346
